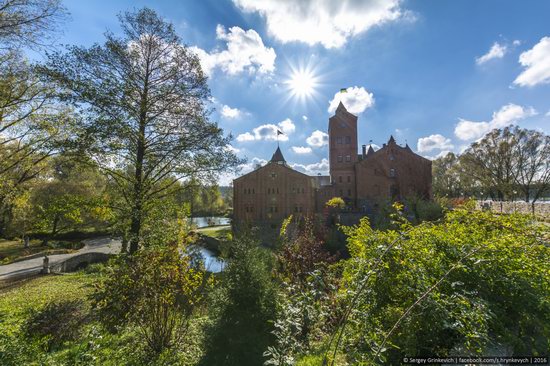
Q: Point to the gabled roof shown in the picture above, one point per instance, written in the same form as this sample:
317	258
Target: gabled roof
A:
278	156
370	151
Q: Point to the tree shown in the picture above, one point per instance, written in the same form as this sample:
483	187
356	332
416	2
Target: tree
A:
242	308
144	118
492	162
450	178
28	22
533	160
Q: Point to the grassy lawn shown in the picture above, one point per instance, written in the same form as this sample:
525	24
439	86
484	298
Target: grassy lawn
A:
10	250
16	302
218	232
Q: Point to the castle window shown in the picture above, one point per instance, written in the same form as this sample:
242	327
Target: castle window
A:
340	159
246	208
273	175
253	191
339	140
277	190
348	140
340	179
392	157
269	191
392	172
300	208
293	189
348	157
349	178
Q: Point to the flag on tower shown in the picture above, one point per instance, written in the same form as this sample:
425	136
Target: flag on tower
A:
279	133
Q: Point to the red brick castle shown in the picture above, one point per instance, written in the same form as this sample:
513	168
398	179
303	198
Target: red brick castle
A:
274	191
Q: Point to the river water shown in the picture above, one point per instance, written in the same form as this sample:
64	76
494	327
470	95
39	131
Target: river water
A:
211	262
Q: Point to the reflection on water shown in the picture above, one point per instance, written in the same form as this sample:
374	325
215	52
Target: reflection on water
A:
211	262
209	221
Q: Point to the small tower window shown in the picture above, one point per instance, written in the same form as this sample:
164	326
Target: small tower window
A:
349	178
340	179
392	172
339	140
348	140
340	158
348	158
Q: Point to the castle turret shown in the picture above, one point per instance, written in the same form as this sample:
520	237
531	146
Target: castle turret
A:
342	131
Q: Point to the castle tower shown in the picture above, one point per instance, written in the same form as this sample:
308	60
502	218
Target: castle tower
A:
342	131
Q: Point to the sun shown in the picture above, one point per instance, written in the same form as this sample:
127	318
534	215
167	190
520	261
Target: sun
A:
302	83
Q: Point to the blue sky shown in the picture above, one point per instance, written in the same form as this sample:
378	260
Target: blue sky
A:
435	74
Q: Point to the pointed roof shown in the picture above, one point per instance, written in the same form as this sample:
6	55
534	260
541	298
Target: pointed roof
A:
391	140
278	156
341	108
370	151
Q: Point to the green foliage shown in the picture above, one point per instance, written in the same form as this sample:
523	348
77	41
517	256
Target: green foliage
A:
306	293
156	290
474	283
151	122
57	322
336	203
242	308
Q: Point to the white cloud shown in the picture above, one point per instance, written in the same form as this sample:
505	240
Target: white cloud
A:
356	100
440	155
304	118
516	42
547	114
268	132
330	23
245	52
247	136
537	64
434	142
302	149
287	126
230	113
496	51
313	169
508	114
317	139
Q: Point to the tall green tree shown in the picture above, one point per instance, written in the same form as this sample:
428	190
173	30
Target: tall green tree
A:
533	161
243	308
492	162
142	98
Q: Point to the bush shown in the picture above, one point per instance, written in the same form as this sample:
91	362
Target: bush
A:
242	308
155	290
474	283
57	322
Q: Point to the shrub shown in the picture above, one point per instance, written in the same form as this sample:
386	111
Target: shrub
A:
155	290
473	283
243	308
